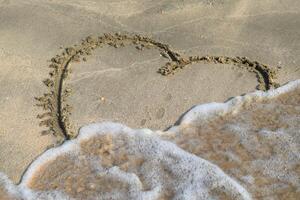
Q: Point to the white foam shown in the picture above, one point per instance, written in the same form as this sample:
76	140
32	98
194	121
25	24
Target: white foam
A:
204	112
8	186
273	149
194	176
22	192
51	154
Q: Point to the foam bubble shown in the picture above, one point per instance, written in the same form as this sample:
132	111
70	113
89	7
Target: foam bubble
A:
112	161
204	112
9	191
253	138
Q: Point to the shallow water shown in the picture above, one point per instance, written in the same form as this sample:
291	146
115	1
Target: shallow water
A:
257	144
246	148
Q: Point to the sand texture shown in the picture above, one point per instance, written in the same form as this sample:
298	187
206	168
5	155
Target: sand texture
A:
250	150
120	82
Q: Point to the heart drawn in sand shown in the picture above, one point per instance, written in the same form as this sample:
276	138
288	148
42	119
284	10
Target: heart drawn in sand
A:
54	103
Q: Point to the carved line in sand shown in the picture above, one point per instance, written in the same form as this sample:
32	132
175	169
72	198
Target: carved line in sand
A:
57	110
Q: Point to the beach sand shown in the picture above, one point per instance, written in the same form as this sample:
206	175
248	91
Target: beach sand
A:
122	85
252	138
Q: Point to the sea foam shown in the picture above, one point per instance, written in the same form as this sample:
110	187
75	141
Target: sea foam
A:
247	147
254	138
112	161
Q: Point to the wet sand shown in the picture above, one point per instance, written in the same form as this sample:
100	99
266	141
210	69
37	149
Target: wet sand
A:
122	85
258	145
252	138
